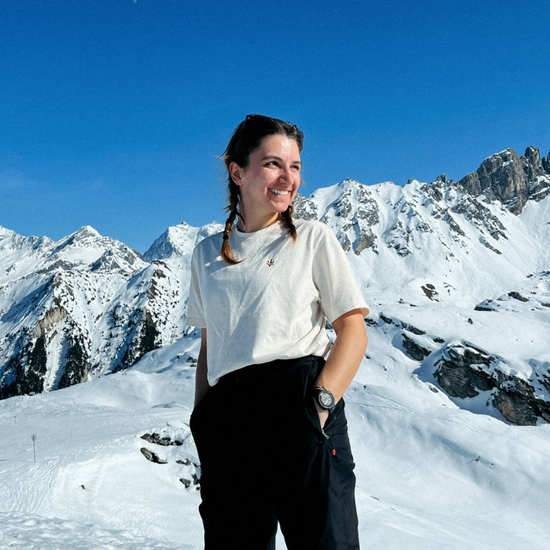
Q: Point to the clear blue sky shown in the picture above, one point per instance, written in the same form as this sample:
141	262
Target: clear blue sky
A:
112	112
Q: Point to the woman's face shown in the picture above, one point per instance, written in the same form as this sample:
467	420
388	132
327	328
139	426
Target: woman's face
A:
270	181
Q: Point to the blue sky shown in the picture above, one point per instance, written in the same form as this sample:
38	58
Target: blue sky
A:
113	112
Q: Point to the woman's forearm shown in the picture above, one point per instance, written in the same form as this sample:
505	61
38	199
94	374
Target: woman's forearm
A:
346	354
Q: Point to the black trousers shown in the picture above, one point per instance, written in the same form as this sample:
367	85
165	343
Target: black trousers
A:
265	460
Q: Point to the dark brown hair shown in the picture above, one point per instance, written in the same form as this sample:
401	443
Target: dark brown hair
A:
246	138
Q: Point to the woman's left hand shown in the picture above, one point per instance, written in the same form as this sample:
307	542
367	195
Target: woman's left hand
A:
323	414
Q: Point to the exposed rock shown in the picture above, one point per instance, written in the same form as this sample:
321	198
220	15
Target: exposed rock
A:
399	239
516	407
365	241
518	296
187	482
152	457
540	189
481	216
304	209
189	470
344	240
456	372
157	439
385	318
508	178
414	349
486	305
401	324
430	291
453	225
488	245
464	371
532	164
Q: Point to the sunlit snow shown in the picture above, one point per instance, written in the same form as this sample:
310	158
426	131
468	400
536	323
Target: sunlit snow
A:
433	472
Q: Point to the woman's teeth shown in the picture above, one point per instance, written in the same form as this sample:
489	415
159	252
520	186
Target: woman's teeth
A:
278	192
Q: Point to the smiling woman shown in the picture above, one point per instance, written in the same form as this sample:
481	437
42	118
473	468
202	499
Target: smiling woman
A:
266	401
270	181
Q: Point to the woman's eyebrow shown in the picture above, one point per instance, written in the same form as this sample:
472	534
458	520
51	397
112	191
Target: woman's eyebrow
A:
275	157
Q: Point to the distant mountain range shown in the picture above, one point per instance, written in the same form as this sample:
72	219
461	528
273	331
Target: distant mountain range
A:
457	275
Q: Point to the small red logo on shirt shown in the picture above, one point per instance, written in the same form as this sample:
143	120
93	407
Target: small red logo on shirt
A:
270	263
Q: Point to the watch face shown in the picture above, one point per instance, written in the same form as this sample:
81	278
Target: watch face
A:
326	399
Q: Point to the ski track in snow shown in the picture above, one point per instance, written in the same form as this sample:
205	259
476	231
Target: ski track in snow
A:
30	532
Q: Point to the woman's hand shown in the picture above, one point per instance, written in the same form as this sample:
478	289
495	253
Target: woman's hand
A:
323	414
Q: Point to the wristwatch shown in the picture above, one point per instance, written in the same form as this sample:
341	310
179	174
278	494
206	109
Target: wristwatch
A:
324	398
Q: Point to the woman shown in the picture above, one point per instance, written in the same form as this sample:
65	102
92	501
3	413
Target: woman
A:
269	420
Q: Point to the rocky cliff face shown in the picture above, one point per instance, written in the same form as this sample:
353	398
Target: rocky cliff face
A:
510	179
465	371
447	267
82	307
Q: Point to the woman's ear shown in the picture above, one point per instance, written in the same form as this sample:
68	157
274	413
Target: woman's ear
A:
235	173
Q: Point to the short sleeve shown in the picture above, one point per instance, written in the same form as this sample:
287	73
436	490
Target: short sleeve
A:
334	278
195	308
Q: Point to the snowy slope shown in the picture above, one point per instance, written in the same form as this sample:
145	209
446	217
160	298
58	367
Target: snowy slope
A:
85	306
448	414
430	474
464	245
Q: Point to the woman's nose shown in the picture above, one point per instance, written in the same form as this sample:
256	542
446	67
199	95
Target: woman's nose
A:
286	173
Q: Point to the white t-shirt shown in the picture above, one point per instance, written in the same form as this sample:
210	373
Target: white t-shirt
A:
273	304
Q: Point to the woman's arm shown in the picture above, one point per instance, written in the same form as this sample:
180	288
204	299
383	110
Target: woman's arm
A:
201	379
345	356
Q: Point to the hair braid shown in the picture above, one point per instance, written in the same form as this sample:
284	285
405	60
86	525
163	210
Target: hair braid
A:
288	222
233	209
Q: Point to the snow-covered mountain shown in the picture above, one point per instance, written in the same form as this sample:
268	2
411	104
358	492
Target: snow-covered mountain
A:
448	413
88	305
82	307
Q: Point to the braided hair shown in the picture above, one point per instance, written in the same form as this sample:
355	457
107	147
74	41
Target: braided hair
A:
246	138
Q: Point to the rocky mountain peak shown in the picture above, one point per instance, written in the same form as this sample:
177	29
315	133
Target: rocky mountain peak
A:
12	241
87	247
86	231
86	236
179	240
511	179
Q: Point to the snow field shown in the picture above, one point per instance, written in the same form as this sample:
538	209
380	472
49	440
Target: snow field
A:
430	475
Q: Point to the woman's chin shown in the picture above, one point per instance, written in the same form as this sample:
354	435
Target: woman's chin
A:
280	206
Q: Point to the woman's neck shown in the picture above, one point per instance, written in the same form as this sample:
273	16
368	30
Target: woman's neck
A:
253	224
